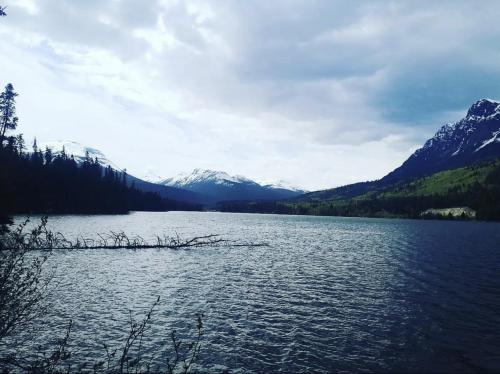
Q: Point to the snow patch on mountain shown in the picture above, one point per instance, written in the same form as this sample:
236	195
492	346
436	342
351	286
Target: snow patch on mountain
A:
285	185
223	178
152	177
78	151
205	175
458	133
483	108
489	141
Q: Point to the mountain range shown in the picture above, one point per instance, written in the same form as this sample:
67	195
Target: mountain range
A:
453	167
201	186
221	186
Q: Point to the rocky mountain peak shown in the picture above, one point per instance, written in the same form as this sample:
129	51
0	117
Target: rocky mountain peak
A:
473	138
483	108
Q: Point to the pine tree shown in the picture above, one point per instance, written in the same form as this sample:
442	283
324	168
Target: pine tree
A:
63	155
20	144
124	177
48	156
8	119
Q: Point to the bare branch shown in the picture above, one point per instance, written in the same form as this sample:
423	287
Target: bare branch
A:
45	240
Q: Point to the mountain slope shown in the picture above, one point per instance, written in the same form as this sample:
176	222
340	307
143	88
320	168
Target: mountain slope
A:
473	138
221	186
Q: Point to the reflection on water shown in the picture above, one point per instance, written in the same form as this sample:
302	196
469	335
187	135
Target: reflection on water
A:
328	294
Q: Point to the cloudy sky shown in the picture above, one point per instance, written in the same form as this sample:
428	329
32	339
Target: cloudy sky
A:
318	93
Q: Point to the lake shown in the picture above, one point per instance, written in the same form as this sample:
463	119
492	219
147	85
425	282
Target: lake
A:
328	293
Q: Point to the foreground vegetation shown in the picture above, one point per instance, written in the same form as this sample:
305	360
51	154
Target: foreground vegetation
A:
475	186
26	281
24	285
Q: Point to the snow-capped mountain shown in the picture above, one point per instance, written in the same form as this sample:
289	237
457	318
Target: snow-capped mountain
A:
78	151
473	138
203	176
222	187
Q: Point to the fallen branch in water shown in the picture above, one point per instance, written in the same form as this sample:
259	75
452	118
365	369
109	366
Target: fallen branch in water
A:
120	240
46	240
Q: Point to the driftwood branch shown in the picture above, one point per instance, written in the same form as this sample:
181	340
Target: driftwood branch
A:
43	239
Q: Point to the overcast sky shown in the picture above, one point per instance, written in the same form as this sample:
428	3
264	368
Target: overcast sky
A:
318	93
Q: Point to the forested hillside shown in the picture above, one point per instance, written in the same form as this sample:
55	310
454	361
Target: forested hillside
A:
476	186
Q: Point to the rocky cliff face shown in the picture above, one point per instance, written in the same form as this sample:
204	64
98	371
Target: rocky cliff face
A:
473	138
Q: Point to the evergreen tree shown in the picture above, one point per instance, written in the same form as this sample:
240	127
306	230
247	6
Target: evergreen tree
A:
20	144
48	156
8	119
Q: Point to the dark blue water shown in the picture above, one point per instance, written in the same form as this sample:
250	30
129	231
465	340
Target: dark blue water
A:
343	294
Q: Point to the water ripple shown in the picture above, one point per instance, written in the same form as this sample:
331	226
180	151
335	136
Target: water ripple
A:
329	294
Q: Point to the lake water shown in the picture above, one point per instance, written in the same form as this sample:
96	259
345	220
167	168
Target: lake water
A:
343	294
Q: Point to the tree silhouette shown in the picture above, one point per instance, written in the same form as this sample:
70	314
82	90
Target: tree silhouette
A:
8	119
42	181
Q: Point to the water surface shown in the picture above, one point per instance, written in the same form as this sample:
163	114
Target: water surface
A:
343	294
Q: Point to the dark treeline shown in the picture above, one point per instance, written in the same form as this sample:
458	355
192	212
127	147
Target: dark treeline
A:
42	182
484	199
39	182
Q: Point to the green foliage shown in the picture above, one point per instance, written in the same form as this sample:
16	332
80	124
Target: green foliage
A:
446	182
476	186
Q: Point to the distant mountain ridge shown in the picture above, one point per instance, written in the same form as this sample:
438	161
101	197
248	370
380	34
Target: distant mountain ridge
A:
199	187
224	187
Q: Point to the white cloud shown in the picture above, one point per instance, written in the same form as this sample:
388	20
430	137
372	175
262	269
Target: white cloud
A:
28	5
320	93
